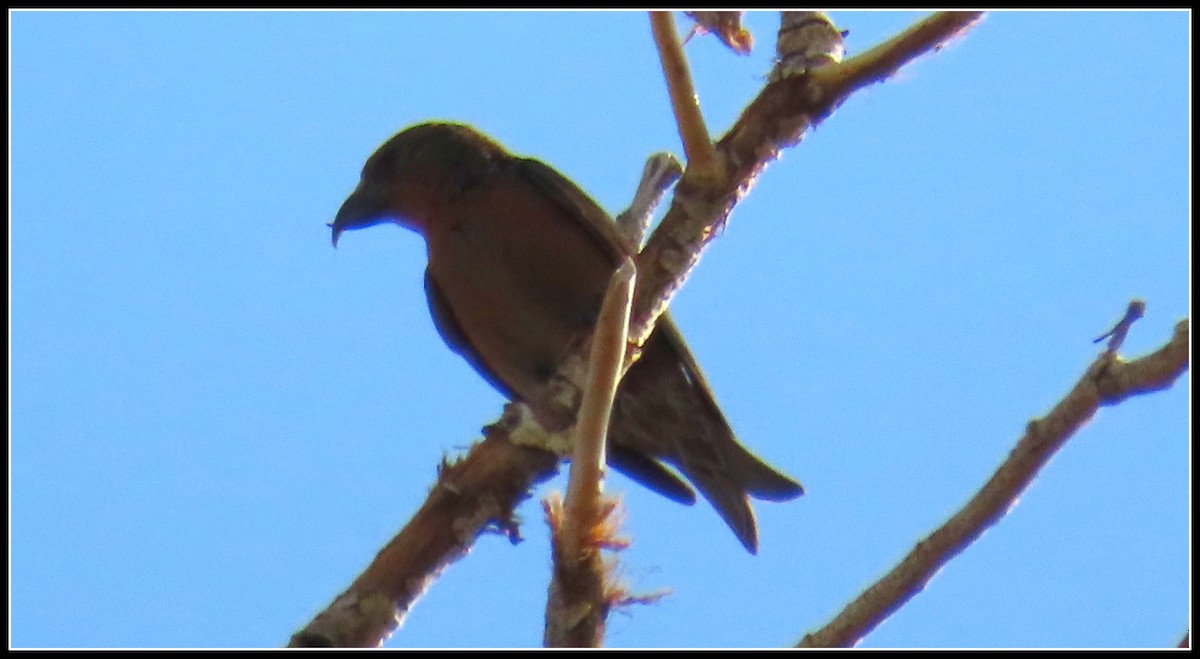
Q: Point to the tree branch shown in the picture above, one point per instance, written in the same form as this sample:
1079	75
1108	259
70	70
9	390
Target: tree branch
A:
1108	381
697	145
883	61
660	173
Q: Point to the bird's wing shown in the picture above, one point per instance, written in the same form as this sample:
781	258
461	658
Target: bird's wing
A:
575	205
650	473
602	231
750	472
447	325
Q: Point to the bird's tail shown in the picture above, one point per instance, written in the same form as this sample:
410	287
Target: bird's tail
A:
728	482
665	411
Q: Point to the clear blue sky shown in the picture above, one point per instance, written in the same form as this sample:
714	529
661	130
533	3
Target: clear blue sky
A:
217	419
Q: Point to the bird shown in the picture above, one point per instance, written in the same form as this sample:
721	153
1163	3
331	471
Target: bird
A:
519	258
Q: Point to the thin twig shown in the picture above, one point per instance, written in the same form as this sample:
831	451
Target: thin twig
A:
588	459
660	173
697	144
1107	381
1116	335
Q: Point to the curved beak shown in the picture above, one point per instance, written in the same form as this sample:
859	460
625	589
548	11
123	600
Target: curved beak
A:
362	208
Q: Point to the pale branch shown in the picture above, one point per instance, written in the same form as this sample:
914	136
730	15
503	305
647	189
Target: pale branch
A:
577	605
883	61
1108	381
697	145
481	490
658	175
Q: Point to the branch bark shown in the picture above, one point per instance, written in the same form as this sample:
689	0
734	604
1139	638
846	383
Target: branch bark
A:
470	496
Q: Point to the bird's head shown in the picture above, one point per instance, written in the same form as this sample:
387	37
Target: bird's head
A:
416	172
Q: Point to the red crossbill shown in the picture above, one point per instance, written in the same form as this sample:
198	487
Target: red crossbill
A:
519	260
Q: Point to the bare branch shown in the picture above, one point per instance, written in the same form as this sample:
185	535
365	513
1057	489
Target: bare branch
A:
697	144
883	61
470	496
659	174
1108	381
